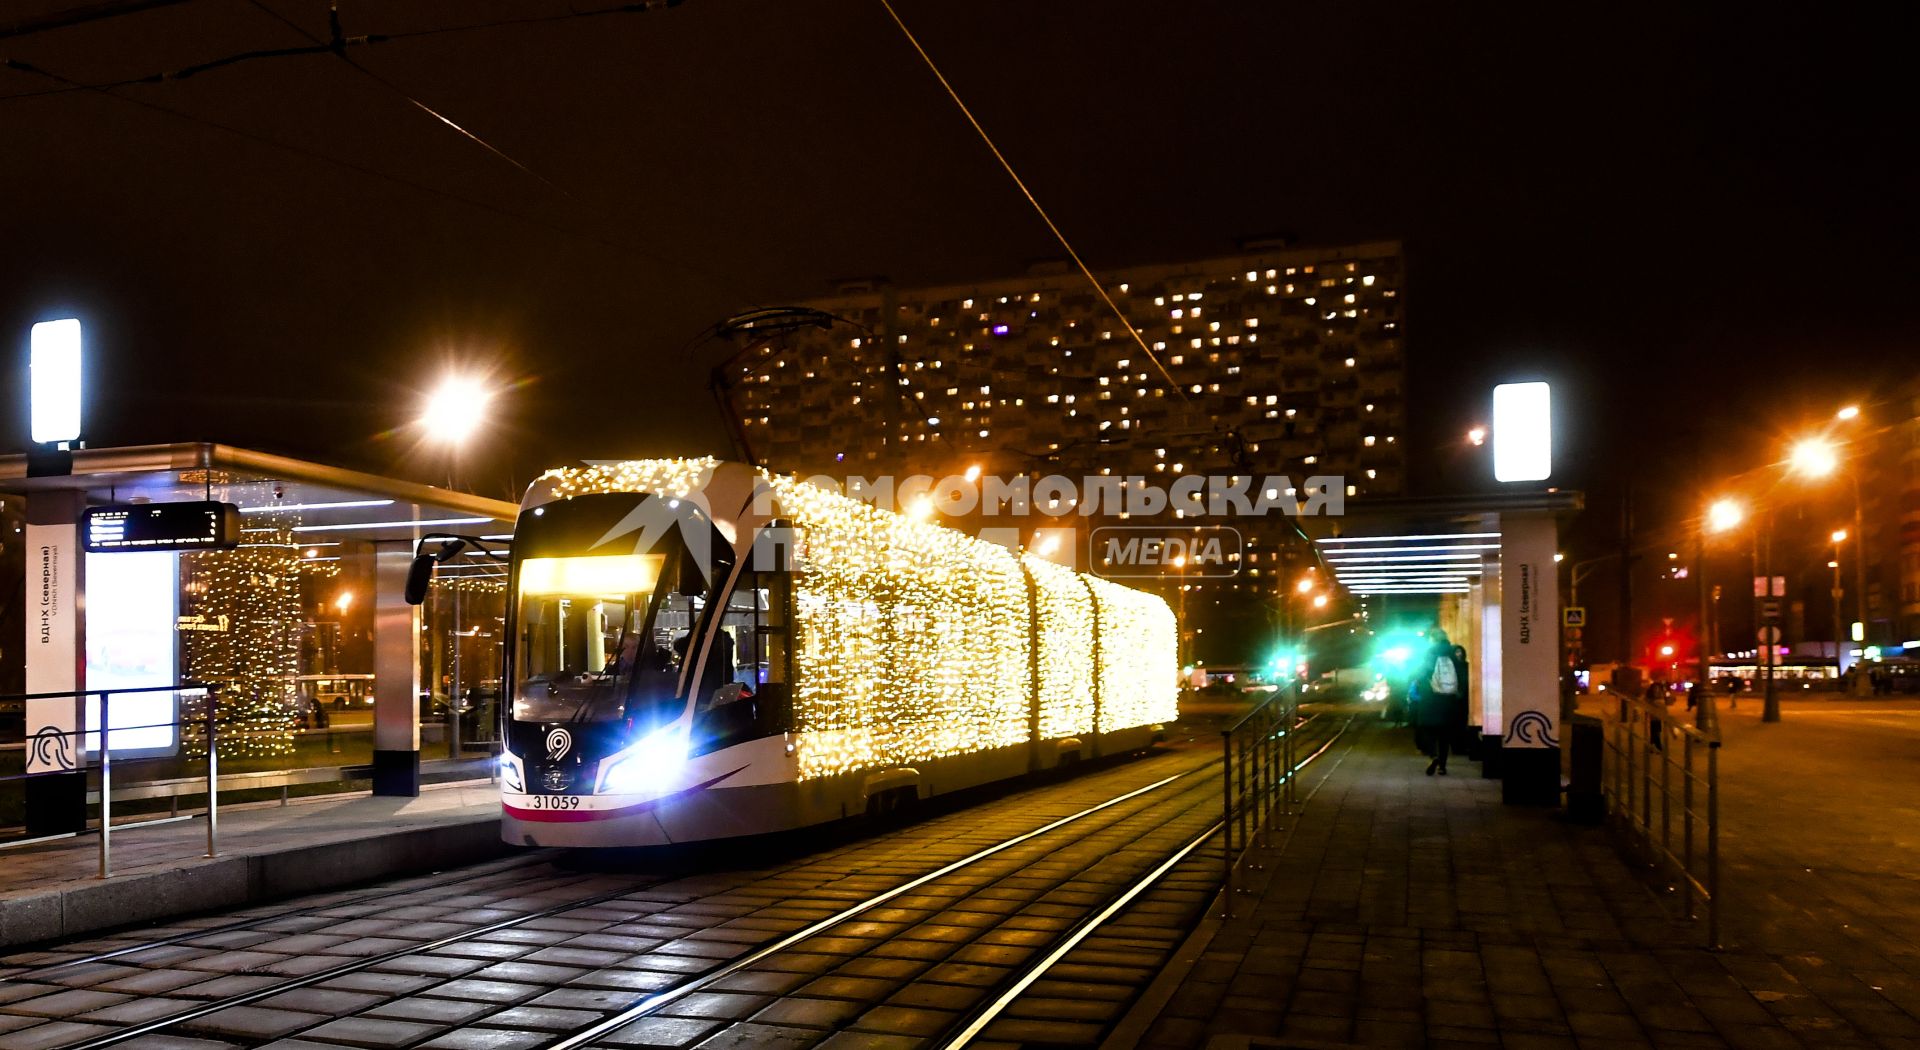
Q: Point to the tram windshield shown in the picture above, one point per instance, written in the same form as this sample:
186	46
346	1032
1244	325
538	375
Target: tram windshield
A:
600	636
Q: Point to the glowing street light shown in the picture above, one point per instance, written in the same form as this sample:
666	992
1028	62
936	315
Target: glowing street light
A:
1839	535
1477	436
1319	601
1814	457
456	409
1305	586
1725	514
973	473
1849	412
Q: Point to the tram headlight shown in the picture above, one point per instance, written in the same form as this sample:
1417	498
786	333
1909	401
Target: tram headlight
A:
648	766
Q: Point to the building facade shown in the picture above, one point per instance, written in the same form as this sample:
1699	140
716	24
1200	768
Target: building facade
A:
1296	355
1274	361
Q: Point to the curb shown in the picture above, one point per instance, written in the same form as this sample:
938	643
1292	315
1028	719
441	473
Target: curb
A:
243	879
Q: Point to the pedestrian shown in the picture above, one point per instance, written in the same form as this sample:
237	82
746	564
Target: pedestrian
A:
1659	695
1441	681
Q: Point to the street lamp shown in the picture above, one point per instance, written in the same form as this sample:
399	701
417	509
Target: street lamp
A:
1839	632
455	410
1818	458
1723	515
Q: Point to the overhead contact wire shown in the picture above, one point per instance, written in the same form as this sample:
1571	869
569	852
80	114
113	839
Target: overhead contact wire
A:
1031	199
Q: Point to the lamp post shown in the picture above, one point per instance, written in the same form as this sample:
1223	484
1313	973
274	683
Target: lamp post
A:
453	414
1180	566
1817	458
1839	635
1722	515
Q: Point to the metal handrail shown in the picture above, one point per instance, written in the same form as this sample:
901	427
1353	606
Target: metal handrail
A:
1258	763
1640	737
103	762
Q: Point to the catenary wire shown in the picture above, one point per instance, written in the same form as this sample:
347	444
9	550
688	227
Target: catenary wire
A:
1098	288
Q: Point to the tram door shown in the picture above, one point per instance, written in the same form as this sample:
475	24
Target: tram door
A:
743	690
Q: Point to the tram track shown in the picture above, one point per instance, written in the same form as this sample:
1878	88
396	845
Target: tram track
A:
1202	789
186	1019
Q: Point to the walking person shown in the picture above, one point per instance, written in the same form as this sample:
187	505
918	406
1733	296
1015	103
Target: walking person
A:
1442	707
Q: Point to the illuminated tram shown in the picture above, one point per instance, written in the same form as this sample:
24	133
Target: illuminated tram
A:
701	650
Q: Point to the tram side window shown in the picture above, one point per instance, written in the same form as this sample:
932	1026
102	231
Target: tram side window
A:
750	646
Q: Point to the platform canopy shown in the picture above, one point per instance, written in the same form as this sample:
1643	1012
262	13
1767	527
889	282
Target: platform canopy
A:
1424	545
331	504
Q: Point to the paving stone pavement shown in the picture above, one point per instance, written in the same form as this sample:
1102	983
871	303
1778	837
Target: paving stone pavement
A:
1404	911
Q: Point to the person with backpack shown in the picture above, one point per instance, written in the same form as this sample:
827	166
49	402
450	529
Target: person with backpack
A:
1440	680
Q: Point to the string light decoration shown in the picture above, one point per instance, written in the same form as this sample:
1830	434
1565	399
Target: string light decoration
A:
254	592
1063	614
1138	646
911	638
675	478
911	641
483	585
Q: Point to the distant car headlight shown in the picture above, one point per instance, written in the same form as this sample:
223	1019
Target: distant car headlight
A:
649	766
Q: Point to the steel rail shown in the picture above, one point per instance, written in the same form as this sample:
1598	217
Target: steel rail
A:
654	1001
978	1022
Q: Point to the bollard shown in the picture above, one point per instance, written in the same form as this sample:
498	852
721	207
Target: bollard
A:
106	790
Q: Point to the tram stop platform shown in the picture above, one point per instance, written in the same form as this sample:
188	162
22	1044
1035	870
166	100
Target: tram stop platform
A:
1400	910
267	850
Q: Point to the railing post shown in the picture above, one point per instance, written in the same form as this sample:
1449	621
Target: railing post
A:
1241	790
1291	714
213	783
1646	783
1226	821
1686	823
106	788
1259	797
1666	792
1713	843
1632	757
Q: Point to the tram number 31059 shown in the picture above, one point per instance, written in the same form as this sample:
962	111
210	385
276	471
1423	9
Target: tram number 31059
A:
553	801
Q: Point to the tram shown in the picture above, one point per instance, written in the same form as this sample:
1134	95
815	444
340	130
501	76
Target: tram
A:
702	650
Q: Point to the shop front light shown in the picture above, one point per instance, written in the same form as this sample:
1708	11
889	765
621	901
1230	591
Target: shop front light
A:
648	767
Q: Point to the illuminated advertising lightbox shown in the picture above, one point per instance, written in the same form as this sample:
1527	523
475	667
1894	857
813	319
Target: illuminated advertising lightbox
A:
53	362
1522	432
132	602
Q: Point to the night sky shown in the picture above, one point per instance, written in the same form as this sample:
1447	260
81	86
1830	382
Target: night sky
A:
1700	223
